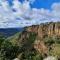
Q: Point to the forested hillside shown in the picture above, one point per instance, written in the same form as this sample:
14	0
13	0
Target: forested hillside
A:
36	42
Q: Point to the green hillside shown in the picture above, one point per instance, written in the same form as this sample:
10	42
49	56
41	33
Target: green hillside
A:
31	44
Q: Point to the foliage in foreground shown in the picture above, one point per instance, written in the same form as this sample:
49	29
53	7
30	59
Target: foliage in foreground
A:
9	51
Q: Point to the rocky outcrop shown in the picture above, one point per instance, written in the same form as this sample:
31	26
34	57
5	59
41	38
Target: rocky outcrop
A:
48	29
51	58
40	47
42	31
16	59
33	39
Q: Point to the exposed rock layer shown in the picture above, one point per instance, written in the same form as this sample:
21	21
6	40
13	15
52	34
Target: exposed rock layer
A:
42	31
48	29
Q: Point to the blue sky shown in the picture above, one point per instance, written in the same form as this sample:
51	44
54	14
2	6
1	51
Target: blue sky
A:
44	3
40	3
22	13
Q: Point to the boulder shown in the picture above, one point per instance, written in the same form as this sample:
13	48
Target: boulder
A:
51	58
16	59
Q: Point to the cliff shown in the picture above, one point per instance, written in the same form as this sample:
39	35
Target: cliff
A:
43	30
41	38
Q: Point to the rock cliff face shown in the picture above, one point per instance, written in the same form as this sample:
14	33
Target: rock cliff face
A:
48	29
39	39
42	31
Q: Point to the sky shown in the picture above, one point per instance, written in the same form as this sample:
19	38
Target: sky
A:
22	13
44	3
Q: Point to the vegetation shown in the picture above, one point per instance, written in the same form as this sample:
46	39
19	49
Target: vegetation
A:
9	51
53	44
21	46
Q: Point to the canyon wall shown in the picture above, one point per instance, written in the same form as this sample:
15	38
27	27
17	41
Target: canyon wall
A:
48	29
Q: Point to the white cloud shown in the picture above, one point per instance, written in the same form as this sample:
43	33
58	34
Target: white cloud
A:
56	6
31	1
24	15
56	9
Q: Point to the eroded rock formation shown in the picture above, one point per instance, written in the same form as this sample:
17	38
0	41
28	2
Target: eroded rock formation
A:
42	31
48	29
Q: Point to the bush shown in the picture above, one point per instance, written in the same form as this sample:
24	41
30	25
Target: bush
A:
31	55
49	41
7	50
56	50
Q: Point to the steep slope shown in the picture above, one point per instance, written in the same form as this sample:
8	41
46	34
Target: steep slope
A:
48	29
43	38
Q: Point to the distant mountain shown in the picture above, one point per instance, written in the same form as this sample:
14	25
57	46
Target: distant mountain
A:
10	31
